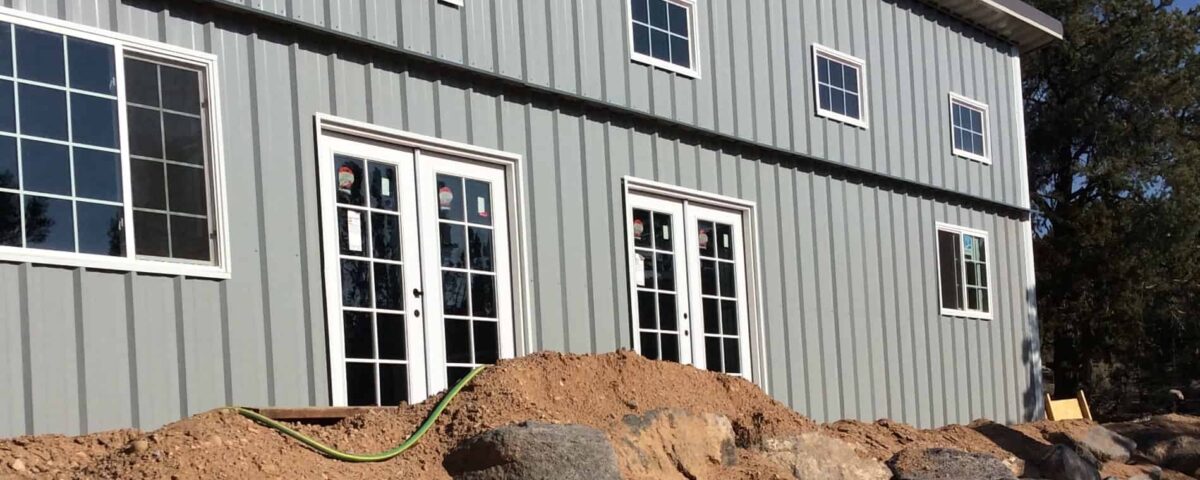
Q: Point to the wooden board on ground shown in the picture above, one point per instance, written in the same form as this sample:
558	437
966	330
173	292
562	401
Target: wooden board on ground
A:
1069	409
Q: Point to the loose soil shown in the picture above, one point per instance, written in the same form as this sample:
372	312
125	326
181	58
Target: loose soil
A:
593	390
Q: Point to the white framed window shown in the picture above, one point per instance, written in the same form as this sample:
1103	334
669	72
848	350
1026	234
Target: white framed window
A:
969	128
662	33
692	278
108	157
839	86
963	272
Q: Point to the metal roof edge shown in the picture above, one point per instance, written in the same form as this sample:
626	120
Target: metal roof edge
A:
1013	20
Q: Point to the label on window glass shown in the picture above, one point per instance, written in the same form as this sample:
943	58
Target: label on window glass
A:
385	186
354	231
666	232
481	206
640	268
725	241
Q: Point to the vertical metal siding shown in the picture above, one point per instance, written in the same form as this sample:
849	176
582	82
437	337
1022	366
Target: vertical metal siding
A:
849	272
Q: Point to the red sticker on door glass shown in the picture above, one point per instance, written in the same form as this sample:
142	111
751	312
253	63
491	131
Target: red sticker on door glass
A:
638	228
703	238
345	178
445	197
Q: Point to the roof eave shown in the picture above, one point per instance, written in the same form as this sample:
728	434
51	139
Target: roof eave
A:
1012	20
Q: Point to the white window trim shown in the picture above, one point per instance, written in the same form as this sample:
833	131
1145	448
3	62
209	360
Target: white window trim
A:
122	44
987	253
757	371
819	50
987	128
518	207
693	42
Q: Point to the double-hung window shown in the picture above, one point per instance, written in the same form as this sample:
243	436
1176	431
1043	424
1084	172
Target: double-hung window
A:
107	157
963	272
839	86
662	34
969	128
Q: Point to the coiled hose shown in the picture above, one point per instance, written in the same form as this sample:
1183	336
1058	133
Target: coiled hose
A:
375	457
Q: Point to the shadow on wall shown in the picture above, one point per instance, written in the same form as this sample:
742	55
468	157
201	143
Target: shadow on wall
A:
1031	355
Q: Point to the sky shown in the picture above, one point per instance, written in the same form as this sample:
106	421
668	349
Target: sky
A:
1186	4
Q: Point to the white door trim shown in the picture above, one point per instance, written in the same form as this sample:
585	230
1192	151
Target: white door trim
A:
516	201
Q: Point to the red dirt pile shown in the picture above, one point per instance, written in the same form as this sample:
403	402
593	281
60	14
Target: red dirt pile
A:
593	390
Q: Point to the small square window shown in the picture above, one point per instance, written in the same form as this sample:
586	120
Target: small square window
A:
839	88
661	33
969	128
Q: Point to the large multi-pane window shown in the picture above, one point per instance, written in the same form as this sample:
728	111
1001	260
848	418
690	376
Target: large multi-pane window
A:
662	34
104	152
963	271
840	89
969	128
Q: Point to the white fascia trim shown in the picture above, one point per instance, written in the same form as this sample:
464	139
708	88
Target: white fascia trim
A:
693	42
1018	109
1029	21
987	252
819	50
987	128
157	51
523	306
759	368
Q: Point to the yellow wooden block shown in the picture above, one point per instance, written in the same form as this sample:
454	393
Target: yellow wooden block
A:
1068	409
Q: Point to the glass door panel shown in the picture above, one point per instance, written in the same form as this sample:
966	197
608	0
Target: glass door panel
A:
659	300
719	294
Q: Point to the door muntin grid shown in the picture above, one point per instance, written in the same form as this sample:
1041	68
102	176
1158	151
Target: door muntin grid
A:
656	287
371	264
719	296
467	261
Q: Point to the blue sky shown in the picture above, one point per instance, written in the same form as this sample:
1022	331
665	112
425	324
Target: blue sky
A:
1186	4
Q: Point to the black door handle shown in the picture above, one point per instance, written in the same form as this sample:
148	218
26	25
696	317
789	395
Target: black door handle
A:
417	292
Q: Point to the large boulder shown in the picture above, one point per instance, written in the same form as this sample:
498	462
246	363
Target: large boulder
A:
534	451
675	444
1064	463
1101	443
812	456
947	464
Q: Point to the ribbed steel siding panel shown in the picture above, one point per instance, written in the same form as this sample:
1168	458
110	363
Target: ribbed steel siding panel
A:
849	292
756	70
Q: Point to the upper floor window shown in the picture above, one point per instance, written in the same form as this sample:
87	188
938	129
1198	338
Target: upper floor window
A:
963	271
969	128
840	89
106	152
662	34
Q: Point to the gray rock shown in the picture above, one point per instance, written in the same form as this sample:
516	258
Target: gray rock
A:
673	444
1063	463
1101	443
534	451
812	456
947	464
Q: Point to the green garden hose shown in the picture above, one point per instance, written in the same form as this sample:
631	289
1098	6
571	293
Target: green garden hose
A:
376	457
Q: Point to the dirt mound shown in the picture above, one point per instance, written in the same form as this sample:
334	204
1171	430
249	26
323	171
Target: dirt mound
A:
595	390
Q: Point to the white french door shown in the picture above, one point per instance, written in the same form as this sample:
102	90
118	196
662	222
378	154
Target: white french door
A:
688	293
417	269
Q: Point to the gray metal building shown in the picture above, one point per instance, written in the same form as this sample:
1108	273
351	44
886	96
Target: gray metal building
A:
216	202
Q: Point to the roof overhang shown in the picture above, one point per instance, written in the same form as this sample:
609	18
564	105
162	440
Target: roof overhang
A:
1012	20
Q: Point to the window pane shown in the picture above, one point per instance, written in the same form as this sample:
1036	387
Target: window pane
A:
837	101
190	238
454	374
670	347
449	195
8	114
344	233
40	56
91	66
639	11
647	260
356	283
680	52
647	310
728	284
665	264
150	234
667	319
706	239
712	354
479	202
393	384
458	341
650	345
729	317
823	69
826	100
851	79
5	49
100	229
835	74
148	179
483	296
641	228
487	342
480	240
141	82
97	174
660	45
349	174
663	236
184	139
708	277
8	163
390	328
43	112
949	262
357	335
389	286
385	236
454	245
180	89
724	241
145	133
46	166
10	219
678	19
852	105
94	120
49	224
732	358
454	293
185	186
712	316
956	115
360	384
383	186
658	14
641	39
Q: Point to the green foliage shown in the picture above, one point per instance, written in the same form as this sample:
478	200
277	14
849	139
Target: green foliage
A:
1113	122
